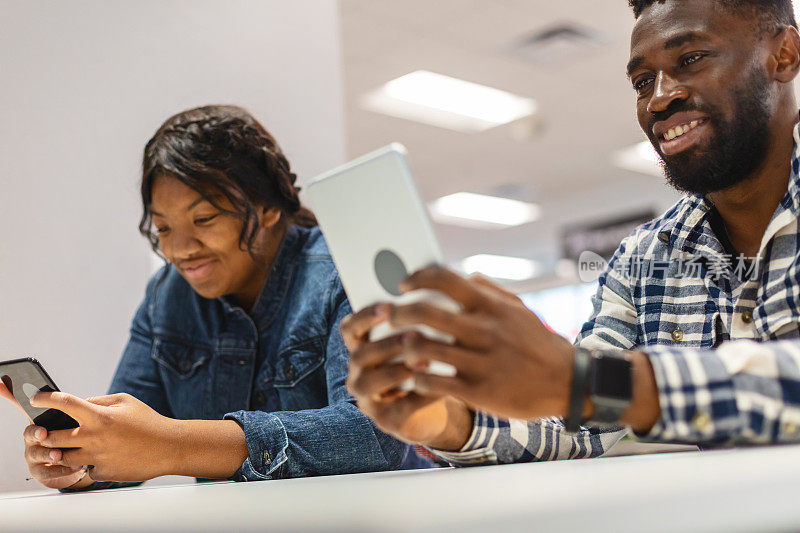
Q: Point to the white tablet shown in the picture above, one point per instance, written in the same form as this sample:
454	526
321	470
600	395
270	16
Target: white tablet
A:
376	226
378	232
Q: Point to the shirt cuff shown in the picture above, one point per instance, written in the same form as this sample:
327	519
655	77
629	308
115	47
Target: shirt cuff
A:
696	394
267	443
478	449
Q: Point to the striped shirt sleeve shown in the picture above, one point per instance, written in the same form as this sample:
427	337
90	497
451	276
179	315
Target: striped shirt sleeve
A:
743	392
498	441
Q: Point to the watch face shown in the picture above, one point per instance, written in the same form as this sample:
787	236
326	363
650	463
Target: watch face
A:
612	378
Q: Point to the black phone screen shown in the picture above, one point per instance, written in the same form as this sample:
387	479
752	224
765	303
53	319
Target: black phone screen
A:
24	378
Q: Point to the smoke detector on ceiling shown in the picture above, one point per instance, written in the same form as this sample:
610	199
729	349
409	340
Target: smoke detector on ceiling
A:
557	43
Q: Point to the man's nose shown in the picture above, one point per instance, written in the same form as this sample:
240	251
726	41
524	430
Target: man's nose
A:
666	91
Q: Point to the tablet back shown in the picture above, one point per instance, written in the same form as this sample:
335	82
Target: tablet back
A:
376	226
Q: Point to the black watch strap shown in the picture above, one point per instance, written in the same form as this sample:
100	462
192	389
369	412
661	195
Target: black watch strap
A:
580	375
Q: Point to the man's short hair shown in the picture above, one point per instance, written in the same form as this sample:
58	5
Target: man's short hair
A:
769	16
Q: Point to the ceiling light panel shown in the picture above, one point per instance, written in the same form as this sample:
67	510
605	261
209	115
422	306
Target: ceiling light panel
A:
481	211
439	100
501	267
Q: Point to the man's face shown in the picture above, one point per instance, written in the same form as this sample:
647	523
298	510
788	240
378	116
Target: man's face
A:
703	96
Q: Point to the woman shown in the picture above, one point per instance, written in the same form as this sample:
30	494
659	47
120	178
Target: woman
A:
235	367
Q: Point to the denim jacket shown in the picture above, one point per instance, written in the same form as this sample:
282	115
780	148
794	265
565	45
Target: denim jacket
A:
279	372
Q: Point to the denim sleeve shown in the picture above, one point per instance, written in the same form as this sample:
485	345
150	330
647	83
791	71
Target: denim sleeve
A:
136	373
337	439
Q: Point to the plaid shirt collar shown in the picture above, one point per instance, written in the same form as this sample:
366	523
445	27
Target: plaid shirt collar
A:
690	229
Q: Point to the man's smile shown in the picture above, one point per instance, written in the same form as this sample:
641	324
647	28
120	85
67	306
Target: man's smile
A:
681	131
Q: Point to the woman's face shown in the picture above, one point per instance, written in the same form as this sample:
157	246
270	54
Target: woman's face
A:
203	242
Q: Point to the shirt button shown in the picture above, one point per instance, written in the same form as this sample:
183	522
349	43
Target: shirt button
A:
289	370
790	428
267	459
261	400
747	317
677	335
186	365
702	421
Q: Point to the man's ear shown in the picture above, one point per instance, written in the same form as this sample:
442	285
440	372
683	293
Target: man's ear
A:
270	216
787	58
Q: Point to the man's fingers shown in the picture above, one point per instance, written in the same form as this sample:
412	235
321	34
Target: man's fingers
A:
419	351
42	472
370	354
432	385
77	408
64	438
33	435
493	287
467	330
443	280
374	383
355	327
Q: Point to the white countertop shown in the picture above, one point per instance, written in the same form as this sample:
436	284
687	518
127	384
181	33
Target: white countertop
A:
734	490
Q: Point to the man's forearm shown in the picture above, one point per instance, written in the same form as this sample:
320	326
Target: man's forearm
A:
645	409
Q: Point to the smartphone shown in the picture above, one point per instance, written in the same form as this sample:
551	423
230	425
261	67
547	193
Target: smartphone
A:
24	378
378	231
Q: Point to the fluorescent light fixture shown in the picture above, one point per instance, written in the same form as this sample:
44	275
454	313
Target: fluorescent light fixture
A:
425	96
481	211
640	157
501	267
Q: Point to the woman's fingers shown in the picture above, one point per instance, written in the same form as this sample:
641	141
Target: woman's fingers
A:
34	435
40	454
43	472
77	408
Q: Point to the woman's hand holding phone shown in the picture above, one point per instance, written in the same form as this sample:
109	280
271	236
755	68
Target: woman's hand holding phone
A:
42	461
122	437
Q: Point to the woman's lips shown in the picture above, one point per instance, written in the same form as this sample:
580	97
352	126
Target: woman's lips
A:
199	271
687	140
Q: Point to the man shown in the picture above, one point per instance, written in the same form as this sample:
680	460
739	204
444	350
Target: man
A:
707	355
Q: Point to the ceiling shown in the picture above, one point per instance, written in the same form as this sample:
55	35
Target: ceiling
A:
586	113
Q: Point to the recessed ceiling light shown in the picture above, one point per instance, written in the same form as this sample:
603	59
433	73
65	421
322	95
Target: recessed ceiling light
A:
641	157
447	102
478	210
501	267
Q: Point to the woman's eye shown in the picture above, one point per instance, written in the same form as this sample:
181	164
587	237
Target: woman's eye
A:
161	230
204	220
641	84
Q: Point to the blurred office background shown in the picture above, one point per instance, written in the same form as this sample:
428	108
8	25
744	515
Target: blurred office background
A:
86	82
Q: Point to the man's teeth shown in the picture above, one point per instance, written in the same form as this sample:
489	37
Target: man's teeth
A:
680	130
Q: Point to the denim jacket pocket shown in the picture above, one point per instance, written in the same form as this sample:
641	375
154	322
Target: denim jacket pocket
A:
296	362
183	360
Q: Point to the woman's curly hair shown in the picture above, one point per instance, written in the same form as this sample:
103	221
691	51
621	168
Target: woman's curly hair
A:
222	148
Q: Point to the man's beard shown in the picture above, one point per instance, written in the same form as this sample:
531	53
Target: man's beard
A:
736	150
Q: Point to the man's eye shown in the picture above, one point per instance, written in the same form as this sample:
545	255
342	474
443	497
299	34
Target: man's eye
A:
691	59
204	220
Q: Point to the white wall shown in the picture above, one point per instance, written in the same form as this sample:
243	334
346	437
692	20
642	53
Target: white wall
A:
84	85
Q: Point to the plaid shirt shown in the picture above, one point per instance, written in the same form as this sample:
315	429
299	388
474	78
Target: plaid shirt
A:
720	330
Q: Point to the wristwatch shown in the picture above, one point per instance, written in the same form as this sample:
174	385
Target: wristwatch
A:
610	385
